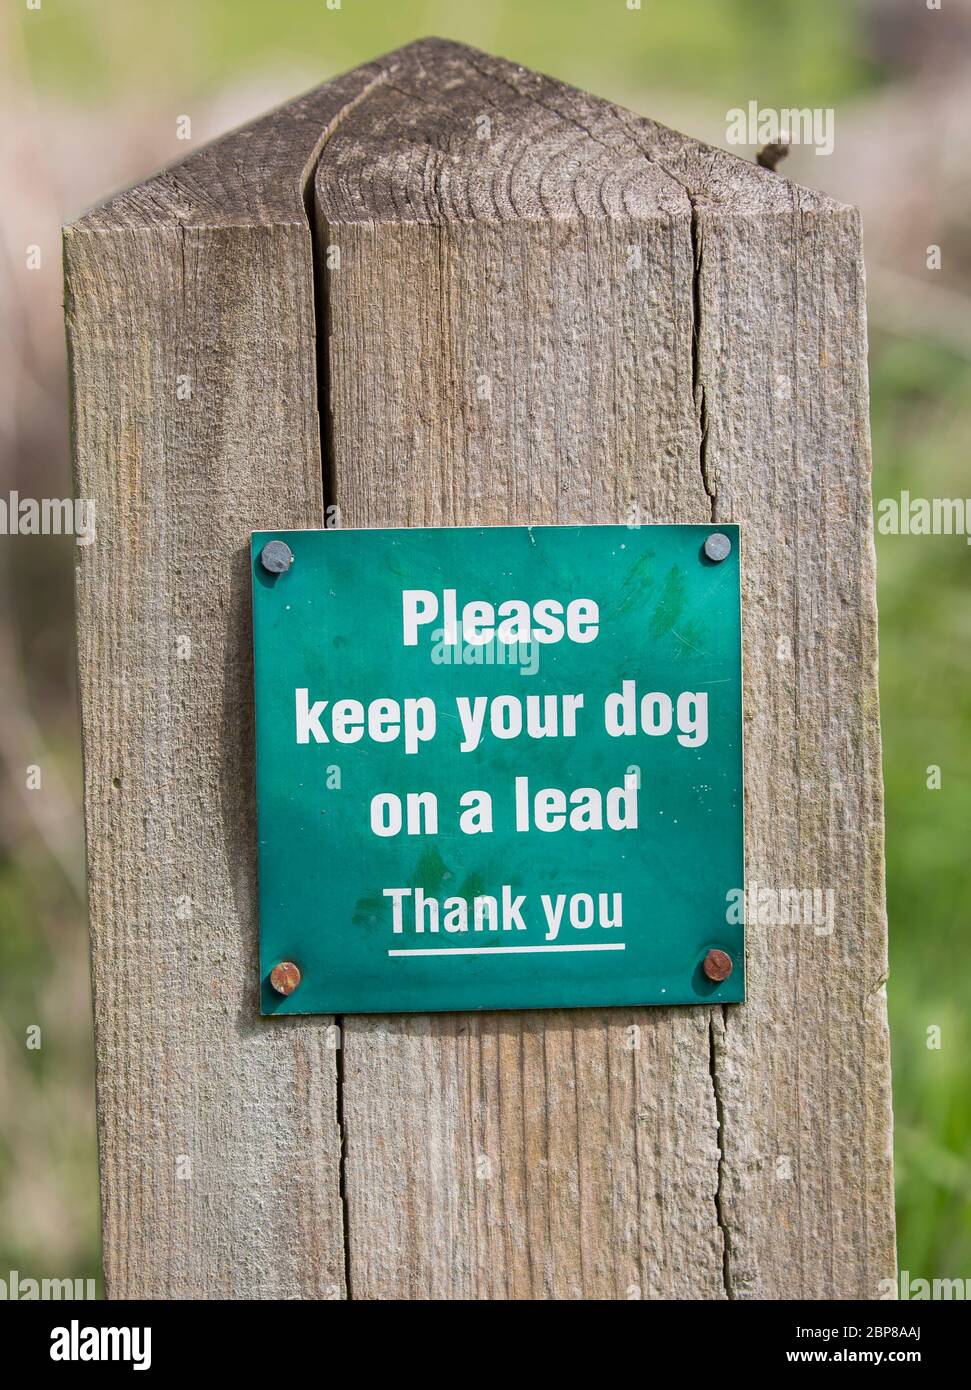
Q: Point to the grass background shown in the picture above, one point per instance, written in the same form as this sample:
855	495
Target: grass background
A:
92	93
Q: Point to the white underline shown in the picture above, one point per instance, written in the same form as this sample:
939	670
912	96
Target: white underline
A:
503	950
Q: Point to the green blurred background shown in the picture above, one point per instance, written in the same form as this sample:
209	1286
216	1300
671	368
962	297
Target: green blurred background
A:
90	93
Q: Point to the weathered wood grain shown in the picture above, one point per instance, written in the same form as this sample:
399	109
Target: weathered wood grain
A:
651	320
218	1135
803	1070
537	308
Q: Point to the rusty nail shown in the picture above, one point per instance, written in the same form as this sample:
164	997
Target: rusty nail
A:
286	976
718	547
276	557
717	966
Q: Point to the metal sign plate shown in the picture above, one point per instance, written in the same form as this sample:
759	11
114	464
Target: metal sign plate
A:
498	768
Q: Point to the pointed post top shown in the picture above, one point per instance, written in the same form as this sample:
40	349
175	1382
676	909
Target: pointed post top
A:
439	132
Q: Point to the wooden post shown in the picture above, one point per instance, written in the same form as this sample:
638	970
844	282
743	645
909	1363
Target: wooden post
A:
444	290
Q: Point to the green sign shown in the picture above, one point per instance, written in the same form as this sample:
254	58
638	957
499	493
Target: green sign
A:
498	767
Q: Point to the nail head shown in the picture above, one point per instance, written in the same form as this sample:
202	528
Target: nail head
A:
285	977
718	547
717	966
276	557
